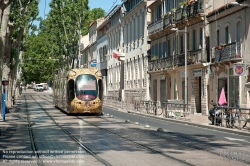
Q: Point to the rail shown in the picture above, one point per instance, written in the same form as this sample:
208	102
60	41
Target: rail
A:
176	109
232	117
169	109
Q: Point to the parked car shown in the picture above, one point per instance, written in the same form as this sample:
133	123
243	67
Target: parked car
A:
39	88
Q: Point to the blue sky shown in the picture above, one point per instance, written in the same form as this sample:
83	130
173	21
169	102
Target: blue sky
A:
104	4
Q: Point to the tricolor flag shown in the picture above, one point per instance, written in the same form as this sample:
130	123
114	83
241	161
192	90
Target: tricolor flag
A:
115	54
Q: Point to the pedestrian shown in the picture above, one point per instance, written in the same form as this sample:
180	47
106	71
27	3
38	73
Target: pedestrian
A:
25	89
13	100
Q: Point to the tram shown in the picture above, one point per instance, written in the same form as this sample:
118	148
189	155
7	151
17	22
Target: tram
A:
79	91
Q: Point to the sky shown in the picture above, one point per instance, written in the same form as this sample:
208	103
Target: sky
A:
106	5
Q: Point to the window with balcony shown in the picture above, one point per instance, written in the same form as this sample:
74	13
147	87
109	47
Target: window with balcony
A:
201	38
218	37
227	35
174	46
167	6
238	27
158	12
194	40
181	44
168	48
160	50
164	45
238	37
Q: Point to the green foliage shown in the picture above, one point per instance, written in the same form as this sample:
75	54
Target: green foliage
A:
56	35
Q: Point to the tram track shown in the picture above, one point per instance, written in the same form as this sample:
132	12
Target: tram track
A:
84	147
32	138
131	141
162	135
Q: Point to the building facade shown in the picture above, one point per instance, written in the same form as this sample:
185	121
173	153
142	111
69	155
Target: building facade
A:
229	41
152	39
167	52
134	25
102	50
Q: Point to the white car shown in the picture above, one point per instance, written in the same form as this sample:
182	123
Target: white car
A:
39	88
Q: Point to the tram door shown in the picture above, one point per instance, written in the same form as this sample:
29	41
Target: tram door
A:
70	90
100	85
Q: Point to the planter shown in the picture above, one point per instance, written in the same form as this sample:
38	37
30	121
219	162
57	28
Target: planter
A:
219	47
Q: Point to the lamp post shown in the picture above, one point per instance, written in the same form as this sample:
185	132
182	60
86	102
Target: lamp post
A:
185	68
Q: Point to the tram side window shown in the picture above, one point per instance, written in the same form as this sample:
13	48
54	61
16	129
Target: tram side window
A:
100	84
70	90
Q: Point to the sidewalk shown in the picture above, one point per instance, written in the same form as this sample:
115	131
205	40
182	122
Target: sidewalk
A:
194	120
14	133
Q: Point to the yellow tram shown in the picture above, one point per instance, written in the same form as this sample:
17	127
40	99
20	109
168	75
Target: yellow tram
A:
79	91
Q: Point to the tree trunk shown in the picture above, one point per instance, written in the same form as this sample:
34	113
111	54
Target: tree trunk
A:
3	34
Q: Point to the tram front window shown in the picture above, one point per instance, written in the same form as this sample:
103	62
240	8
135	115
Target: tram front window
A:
86	87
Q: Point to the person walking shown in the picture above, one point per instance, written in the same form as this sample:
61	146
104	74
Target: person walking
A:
13	100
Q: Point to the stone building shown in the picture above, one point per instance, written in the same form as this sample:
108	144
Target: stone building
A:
134	44
102	50
173	22
229	49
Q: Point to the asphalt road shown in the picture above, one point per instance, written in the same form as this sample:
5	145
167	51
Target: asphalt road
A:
181	130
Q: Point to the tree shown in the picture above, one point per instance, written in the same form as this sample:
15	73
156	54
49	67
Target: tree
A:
15	19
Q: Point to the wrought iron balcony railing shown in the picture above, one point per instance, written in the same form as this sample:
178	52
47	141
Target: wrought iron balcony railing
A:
189	11
155	26
193	57
159	64
168	20
227	52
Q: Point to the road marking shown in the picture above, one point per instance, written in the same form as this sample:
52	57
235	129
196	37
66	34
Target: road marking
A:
236	139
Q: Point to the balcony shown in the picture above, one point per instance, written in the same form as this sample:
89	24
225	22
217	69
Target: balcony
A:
155	27
161	64
168	20
227	52
188	11
193	57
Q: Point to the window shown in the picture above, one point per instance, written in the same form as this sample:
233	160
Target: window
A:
181	44
86	87
70	90
226	35
164	45
160	50
168	48
158	12
194	40
238	37
201	38
238	27
218	37
174	46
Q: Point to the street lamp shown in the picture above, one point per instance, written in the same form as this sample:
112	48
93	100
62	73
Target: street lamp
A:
185	69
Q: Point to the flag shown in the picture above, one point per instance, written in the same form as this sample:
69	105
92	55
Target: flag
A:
115	54
222	99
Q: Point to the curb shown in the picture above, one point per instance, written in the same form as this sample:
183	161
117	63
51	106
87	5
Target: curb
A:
232	131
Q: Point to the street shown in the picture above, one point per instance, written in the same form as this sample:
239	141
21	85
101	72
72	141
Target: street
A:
35	132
